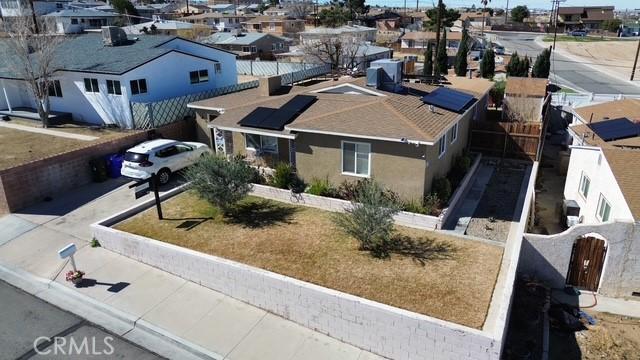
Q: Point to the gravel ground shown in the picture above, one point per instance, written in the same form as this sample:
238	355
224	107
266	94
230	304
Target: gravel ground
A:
494	214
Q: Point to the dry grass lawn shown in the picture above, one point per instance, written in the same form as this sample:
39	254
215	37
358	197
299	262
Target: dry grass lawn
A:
606	56
104	134
454	284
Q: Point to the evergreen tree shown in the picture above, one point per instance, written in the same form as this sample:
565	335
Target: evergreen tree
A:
525	64
488	65
461	56
542	66
442	59
428	60
513	67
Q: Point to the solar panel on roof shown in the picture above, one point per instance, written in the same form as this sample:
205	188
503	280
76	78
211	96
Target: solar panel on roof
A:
448	99
276	119
616	129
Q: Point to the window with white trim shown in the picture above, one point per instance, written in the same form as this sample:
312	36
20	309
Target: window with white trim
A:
604	209
261	143
55	90
138	86
442	145
217	67
246	49
356	158
454	133
199	76
91	85
113	87
585	182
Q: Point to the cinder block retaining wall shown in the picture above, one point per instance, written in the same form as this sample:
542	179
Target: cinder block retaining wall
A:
379	328
32	182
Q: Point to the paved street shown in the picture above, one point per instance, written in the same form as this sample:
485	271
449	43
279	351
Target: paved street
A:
25	319
565	71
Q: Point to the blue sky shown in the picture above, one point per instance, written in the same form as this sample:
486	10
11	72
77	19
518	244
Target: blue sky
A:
619	4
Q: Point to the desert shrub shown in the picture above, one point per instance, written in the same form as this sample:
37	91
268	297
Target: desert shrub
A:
370	218
414	207
432	204
348	190
442	189
220	181
321	187
284	177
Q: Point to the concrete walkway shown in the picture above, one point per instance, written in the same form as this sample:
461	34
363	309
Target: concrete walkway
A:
63	134
185	310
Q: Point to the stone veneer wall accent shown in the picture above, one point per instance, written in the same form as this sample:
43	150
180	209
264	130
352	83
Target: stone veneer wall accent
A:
32	182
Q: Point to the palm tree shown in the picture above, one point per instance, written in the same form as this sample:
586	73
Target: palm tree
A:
484	8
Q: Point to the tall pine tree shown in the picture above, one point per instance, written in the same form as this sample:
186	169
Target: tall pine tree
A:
513	67
542	66
461	56
488	65
428	61
442	59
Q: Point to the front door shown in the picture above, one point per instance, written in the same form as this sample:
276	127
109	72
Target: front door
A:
587	260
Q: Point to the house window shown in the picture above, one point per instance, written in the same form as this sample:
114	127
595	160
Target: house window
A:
604	209
272	26
260	143
217	67
280	46
585	182
91	85
442	145
454	133
246	49
113	87
273	47
55	89
411	43
74	21
254	49
199	76
138	86
356	158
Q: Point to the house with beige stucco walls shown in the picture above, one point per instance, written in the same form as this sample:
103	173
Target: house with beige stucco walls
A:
346	129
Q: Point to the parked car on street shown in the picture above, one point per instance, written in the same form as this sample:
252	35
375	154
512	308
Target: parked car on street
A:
498	49
162	157
578	33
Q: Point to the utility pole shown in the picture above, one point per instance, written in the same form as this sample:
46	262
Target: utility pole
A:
439	23
553	9
417	5
506	14
635	62
555	21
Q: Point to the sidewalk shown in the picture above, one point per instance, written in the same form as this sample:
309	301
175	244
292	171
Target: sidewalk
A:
185	310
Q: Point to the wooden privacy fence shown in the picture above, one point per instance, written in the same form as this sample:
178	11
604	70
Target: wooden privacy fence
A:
506	139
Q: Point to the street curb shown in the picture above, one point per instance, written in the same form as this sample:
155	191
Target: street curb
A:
118	322
581	61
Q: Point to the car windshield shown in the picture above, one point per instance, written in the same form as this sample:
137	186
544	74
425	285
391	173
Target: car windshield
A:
135	157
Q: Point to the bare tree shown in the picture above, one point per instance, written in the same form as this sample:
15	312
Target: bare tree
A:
522	109
32	47
300	9
343	53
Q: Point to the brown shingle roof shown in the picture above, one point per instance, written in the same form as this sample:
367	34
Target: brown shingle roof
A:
393	116
629	108
627	176
528	87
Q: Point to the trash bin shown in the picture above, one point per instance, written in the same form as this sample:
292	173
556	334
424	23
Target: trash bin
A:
114	165
98	169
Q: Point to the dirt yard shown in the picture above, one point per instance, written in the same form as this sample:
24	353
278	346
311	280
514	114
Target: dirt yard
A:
18	147
607	56
454	281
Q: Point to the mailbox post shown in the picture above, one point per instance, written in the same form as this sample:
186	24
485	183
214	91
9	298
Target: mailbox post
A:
67	252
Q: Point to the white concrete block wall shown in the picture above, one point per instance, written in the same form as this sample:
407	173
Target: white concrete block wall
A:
382	329
403	218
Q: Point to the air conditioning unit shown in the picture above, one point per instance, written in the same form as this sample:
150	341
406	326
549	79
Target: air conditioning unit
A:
571	213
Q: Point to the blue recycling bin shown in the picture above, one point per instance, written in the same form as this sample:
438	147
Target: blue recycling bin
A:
114	165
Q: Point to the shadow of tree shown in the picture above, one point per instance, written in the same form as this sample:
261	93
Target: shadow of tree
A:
257	214
421	249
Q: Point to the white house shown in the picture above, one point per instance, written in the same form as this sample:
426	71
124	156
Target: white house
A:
97	82
354	33
73	21
584	117
10	8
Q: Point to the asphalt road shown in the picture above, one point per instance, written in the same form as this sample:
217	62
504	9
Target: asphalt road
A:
565	71
25	320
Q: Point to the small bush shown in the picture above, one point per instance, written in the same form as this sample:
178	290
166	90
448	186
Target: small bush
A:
414	206
220	181
321	187
284	177
370	218
349	190
442	189
461	165
432	205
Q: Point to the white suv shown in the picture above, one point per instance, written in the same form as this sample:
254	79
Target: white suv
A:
161	157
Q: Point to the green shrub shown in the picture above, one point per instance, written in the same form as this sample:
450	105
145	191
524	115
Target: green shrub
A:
283	176
370	218
442	189
432	205
321	187
348	190
414	206
459	169
220	181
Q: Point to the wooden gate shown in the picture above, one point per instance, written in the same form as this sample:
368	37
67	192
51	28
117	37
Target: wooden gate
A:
506	139
587	260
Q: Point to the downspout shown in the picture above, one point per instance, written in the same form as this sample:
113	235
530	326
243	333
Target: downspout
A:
6	97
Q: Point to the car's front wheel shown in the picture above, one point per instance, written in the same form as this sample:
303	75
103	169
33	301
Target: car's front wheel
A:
163	176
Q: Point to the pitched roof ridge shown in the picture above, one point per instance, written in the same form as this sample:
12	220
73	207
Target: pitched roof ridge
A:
403	117
338	111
